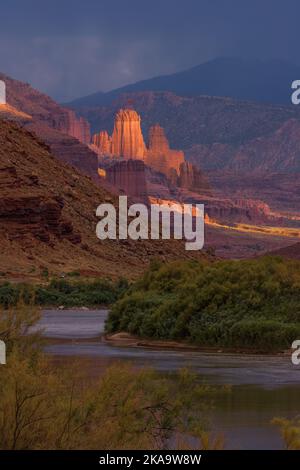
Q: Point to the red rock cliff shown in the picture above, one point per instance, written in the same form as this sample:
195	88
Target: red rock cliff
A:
78	127
127	142
159	155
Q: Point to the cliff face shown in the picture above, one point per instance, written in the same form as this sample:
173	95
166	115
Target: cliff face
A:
43	109
277	151
238	211
102	143
67	135
78	127
127	142
47	217
159	155
127	139
129	177
192	178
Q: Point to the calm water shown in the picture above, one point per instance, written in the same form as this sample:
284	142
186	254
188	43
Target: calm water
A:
262	386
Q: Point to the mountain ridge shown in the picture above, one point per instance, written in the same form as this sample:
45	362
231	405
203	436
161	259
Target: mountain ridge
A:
242	79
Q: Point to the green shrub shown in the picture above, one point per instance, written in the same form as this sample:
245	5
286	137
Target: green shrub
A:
63	292
248	303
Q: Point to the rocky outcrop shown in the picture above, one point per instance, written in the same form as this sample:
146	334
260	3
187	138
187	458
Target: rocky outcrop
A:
159	155
127	140
67	134
277	151
102	143
129	177
48	217
12	114
38	216
44	110
281	191
78	127
192	178
237	211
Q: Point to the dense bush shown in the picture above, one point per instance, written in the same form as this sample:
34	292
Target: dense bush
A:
63	292
248	303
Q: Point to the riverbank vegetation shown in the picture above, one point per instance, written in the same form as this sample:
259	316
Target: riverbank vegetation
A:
250	304
290	432
66	292
48	406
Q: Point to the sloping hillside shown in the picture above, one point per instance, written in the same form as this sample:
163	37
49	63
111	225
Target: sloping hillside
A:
67	134
47	217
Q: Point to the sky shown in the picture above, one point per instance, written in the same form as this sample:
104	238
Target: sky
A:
71	48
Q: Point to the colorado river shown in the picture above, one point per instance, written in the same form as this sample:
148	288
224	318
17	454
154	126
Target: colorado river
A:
262	386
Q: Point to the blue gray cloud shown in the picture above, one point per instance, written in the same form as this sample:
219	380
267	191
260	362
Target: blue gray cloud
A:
70	48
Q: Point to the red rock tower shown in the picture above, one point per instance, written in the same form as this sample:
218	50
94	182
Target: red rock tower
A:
127	138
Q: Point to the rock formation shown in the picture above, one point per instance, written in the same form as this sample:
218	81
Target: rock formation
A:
192	178
48	217
277	151
67	134
78	127
129	177
127	138
159	155
102	142
127	142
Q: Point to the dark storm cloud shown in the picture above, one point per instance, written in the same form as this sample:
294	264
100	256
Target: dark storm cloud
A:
70	48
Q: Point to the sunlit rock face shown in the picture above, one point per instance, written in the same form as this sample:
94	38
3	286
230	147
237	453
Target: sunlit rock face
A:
103	142
127	139
77	127
159	155
127	142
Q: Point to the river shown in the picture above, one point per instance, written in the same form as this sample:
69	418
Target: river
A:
262	386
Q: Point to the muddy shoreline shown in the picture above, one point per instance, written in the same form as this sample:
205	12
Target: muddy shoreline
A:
124	339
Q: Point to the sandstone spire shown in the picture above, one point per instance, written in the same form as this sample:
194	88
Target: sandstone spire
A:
157	139
103	142
127	143
127	140
159	155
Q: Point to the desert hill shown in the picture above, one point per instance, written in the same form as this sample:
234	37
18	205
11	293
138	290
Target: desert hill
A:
67	134
290	252
47	217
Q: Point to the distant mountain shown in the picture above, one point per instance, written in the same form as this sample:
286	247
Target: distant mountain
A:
250	150
255	80
216	133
